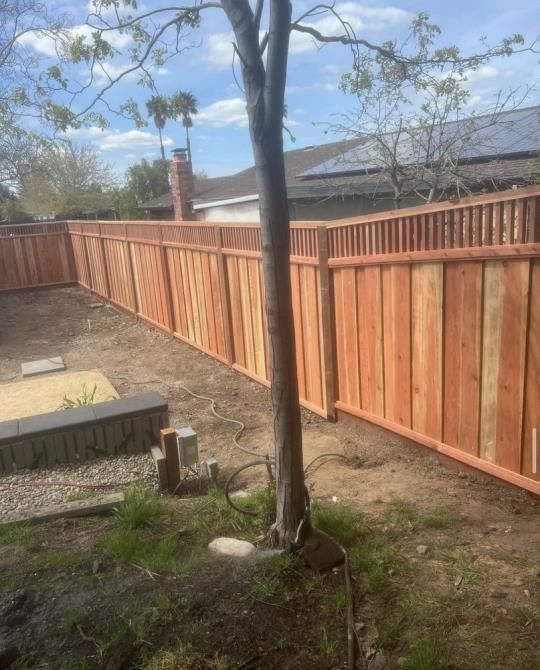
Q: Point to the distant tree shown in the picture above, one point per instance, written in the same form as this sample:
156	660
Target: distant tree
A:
148	180
68	181
200	174
184	105
158	108
417	131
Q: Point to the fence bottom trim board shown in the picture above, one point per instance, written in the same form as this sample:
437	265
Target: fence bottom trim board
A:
34	287
491	469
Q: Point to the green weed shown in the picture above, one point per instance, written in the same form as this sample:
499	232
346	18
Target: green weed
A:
86	398
376	561
184	657
20	535
426	654
338	521
142	507
438	517
400	512
325	643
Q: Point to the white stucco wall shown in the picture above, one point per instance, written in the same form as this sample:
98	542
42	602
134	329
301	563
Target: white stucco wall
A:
327	210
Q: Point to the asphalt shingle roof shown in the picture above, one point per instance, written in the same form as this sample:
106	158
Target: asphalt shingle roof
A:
496	153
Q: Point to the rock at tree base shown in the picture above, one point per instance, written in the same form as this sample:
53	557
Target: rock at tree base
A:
231	547
321	552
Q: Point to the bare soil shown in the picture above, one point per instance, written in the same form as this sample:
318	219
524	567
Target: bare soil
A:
476	586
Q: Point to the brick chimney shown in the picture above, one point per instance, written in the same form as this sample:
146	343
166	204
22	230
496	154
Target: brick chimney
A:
182	185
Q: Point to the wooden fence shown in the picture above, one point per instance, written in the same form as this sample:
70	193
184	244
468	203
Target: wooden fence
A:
425	321
37	254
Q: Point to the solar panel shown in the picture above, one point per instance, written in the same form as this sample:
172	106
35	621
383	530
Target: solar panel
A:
490	136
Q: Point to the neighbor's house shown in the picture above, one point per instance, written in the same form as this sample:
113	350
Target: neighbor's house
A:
348	178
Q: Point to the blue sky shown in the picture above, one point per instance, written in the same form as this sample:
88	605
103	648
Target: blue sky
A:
220	136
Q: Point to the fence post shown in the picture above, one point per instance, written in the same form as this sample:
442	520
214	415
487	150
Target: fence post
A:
105	268
225	312
87	258
327	323
166	280
534	219
131	273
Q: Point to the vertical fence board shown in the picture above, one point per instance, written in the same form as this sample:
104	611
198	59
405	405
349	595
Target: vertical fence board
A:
462	355
371	339
396	281
427	306
532	389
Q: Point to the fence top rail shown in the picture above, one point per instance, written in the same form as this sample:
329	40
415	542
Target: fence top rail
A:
433	208
33	228
191	224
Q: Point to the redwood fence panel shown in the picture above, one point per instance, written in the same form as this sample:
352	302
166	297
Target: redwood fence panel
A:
35	255
425	321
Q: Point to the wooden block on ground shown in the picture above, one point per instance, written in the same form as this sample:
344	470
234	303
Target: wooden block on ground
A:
95	505
161	466
169	446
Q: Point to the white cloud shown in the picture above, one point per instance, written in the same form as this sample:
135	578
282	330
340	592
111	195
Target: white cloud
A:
217	49
483	73
46	45
360	18
117	140
229	112
114	70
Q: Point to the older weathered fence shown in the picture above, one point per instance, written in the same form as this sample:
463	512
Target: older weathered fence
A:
425	321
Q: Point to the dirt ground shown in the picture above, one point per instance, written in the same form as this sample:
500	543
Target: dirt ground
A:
478	566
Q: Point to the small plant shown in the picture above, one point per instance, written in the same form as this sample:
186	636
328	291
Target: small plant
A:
74	496
325	643
339	521
20	535
426	654
375	561
86	398
142	507
400	512
271	575
72	618
438	517
184	657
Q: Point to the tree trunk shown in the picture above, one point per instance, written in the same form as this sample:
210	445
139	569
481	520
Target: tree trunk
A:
188	145
161	144
265	105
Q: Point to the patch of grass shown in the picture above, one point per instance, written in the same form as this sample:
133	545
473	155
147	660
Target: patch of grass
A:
336	601
326	643
420	608
462	564
400	512
184	657
271	575
157	554
438	517
73	496
58	560
338	521
426	654
86	398
20	535
72	618
376	561
515	559
142	508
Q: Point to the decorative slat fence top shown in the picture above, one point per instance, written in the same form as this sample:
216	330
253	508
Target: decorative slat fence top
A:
33	229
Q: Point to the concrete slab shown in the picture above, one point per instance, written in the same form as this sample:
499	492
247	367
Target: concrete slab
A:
40	395
42	367
98	504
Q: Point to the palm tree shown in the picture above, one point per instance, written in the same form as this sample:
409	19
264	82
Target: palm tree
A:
158	108
183	104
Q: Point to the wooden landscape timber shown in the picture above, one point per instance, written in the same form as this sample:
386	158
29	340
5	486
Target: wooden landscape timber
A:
425	321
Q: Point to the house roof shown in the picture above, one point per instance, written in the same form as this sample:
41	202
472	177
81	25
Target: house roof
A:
490	136
494	152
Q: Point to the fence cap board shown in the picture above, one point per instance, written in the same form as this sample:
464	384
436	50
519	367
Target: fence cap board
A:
151	402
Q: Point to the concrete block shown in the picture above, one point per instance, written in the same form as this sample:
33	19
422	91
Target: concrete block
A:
161	466
56	421
212	468
9	431
42	367
145	403
231	547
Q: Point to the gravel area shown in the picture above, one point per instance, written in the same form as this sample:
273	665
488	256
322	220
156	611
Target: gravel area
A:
43	489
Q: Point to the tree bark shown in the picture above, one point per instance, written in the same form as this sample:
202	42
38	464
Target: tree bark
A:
161	144
188	144
265	92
